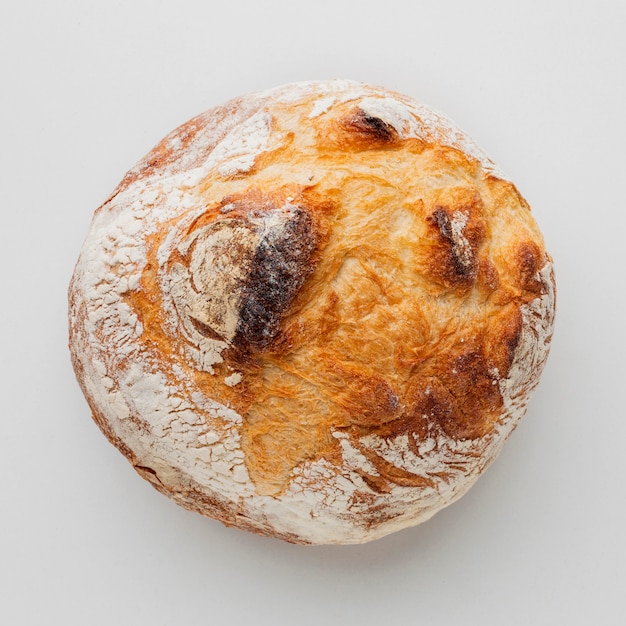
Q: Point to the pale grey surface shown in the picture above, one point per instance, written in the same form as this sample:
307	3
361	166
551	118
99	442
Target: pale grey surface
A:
88	88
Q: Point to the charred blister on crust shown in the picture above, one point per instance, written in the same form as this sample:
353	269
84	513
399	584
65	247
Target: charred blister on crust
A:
369	129
279	268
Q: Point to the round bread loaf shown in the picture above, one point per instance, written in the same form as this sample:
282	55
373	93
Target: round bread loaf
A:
315	313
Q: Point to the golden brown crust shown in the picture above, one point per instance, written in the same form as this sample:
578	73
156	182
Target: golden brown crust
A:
356	296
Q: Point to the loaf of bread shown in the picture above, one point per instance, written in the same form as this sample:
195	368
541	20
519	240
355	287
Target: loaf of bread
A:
315	313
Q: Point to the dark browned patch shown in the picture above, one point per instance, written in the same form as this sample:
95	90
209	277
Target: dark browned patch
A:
369	130
458	233
462	254
280	267
530	260
271	263
472	395
433	403
456	394
503	342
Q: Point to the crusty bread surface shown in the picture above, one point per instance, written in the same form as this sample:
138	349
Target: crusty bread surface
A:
315	312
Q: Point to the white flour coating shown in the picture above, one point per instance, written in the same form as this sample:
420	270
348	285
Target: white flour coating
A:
185	437
353	459
411	119
343	90
461	246
532	348
237	152
321	106
407	117
207	292
106	329
110	266
392	113
438	128
233	379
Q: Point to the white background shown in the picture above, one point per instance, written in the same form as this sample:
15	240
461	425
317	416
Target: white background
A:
88	87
